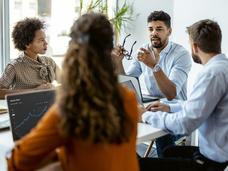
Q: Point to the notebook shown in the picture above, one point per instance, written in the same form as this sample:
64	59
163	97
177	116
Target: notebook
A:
133	83
26	109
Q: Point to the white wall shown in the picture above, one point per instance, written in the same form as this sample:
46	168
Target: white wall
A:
187	12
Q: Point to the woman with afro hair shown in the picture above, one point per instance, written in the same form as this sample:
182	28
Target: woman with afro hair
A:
29	70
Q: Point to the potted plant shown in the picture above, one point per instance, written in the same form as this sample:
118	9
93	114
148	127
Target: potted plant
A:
119	17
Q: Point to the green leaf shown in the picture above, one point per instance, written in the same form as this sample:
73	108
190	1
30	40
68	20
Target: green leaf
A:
122	14
92	5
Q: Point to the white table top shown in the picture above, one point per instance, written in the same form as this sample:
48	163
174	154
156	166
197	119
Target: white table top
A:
147	132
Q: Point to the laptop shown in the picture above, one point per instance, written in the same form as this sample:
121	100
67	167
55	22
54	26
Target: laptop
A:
133	83
26	109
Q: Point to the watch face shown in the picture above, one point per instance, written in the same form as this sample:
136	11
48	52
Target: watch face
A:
156	68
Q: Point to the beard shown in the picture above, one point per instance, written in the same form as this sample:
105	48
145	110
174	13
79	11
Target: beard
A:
160	43
196	58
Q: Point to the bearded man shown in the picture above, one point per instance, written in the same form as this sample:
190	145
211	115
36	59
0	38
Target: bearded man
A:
164	64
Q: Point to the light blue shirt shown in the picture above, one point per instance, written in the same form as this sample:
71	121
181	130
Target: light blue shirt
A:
175	62
206	109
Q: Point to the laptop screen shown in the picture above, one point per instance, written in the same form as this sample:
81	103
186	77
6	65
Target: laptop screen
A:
131	86
137	89
26	109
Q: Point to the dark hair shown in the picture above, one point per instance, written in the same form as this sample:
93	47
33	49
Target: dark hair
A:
207	35
161	16
24	32
90	99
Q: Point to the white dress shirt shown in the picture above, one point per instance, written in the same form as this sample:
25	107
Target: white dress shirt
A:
206	109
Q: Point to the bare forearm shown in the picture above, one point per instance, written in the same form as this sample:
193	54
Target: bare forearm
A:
167	87
120	68
4	92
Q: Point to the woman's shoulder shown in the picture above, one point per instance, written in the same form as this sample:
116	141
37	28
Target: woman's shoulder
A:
51	116
127	93
16	61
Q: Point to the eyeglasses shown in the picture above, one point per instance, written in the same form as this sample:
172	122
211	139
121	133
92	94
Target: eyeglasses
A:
126	53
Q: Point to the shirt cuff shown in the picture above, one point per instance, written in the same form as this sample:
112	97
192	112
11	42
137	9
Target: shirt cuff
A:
155	119
145	116
175	107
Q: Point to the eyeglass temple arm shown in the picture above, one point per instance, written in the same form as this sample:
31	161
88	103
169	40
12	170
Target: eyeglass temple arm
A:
125	39
132	47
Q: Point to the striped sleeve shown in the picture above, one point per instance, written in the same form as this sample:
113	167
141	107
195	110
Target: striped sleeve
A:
8	76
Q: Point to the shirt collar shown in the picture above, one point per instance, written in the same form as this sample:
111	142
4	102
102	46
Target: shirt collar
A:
26	57
214	58
165	50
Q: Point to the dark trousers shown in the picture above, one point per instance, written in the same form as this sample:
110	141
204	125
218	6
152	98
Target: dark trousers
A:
181	158
165	141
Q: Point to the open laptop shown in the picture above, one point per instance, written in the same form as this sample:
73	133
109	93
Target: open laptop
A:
26	109
133	83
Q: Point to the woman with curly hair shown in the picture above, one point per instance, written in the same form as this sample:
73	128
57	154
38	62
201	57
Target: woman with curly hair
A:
94	121
29	70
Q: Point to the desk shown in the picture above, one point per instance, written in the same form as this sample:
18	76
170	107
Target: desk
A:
148	133
145	133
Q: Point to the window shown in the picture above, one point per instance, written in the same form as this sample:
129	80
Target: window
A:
4	33
58	15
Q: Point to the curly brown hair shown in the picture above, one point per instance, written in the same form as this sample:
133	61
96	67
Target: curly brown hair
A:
24	32
90	99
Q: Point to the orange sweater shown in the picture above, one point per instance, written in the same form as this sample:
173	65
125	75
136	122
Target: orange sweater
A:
75	154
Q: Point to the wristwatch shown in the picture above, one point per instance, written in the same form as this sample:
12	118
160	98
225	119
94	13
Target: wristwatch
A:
156	68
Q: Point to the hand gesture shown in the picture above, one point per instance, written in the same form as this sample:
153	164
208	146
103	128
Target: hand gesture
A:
118	53
158	106
147	56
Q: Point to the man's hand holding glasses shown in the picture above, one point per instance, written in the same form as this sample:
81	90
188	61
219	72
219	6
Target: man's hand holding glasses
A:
147	57
117	53
120	52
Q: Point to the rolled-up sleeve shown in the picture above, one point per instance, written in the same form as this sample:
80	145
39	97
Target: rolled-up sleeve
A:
175	107
180	70
156	119
134	68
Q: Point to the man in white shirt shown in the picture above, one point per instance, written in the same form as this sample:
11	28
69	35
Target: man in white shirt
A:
164	64
206	108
